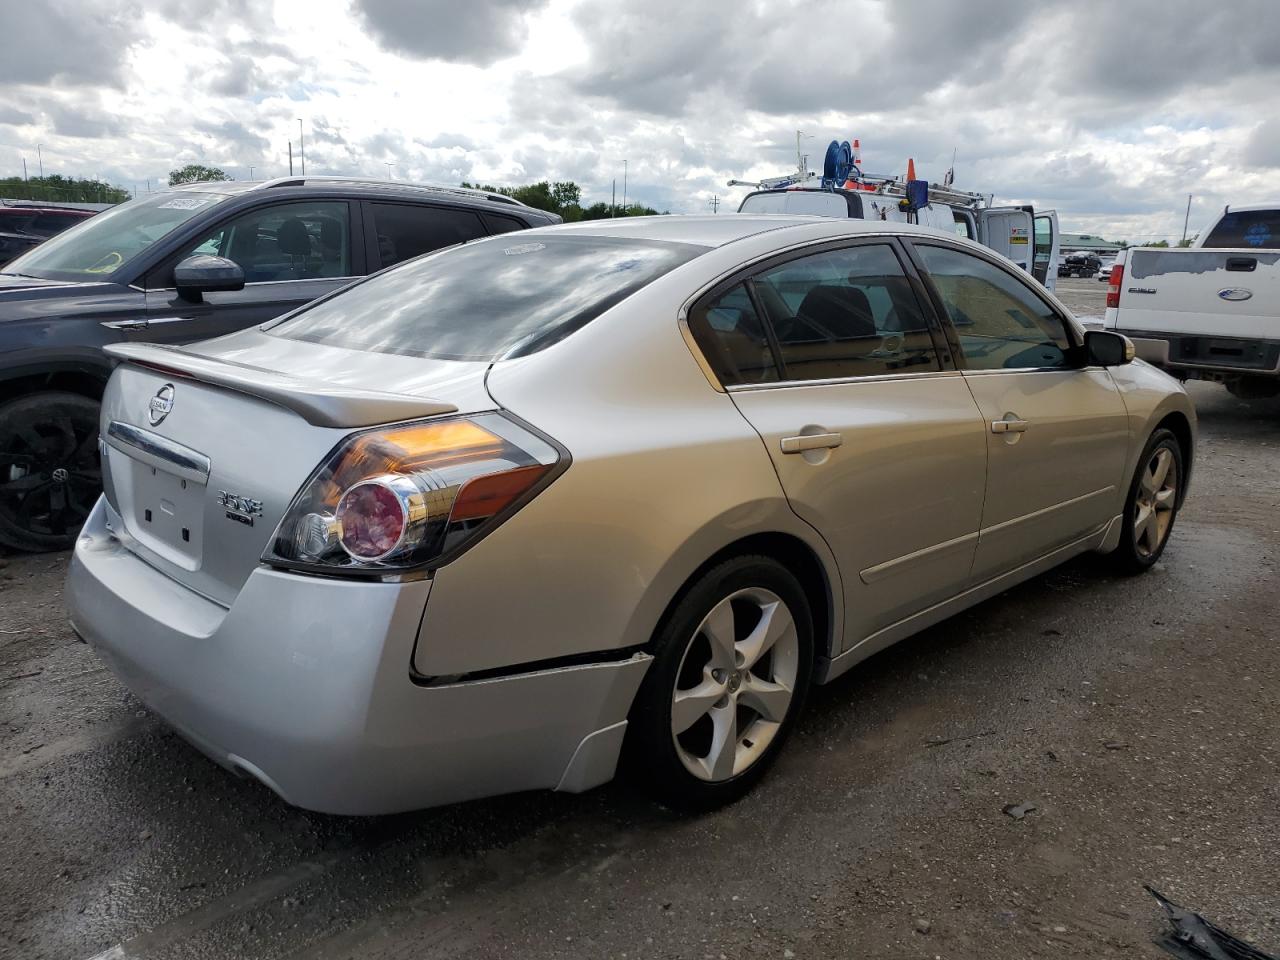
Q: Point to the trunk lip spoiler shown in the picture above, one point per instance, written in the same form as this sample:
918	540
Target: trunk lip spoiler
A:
320	404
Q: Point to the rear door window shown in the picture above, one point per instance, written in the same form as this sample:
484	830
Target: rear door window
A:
497	223
846	313
732	337
1246	228
406	230
507	296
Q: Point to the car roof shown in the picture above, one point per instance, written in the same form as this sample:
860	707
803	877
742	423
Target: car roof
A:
717	230
365	187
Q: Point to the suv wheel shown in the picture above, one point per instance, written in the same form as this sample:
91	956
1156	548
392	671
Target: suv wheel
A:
731	669
50	475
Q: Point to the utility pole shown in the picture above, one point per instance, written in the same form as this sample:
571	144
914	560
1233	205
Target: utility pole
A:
624	186
715	204
24	171
613	199
388	165
302	148
1185	221
251	171
40	156
291	158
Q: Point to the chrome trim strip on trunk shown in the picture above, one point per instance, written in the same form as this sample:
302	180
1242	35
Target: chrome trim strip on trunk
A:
157	451
320	404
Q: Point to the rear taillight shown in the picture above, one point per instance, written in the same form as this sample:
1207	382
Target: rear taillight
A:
1113	285
412	495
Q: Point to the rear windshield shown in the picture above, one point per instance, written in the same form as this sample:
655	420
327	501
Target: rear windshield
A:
508	296
1248	228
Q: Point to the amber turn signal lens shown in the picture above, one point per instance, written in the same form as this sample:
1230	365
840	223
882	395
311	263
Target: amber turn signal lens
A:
487	496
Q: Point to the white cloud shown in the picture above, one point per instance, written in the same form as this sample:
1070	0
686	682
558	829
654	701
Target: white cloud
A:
1112	114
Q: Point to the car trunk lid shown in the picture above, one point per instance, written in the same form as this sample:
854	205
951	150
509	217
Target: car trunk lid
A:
204	448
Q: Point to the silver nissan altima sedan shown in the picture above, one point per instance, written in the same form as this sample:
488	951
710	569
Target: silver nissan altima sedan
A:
503	515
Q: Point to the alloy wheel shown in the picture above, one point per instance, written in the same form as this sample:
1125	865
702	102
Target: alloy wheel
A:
49	472
1155	502
735	684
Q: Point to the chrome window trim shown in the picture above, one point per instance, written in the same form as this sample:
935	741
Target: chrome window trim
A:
157	451
837	381
698	356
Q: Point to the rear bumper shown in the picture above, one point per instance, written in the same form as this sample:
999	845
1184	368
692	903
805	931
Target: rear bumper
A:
1218	355
304	684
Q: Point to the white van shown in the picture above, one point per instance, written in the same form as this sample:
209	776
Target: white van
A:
1027	237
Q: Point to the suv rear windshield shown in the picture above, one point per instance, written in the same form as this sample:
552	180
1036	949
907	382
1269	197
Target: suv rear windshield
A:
508	296
105	243
1247	228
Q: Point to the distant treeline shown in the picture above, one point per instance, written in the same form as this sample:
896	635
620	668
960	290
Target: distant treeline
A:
565	198
55	187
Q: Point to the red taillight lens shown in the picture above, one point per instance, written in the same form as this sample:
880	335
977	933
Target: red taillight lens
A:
1113	285
413	494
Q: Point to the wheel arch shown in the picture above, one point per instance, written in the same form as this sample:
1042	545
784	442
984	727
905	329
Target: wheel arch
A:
70	378
817	576
1177	423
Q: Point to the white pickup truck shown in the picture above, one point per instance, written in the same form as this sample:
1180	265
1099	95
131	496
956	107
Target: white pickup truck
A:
1210	311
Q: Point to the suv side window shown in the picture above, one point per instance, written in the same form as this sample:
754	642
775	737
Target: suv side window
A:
1000	322
846	313
291	241
497	223
732	337
408	230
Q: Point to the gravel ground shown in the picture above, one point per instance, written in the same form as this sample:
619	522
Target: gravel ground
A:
1139	718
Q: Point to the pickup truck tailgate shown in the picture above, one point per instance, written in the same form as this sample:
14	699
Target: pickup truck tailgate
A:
1200	292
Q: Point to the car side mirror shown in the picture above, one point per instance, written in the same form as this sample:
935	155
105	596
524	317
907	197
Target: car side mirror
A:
1106	349
204	273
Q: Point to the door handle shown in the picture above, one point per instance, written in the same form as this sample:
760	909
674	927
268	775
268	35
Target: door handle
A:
140	324
812	441
1009	426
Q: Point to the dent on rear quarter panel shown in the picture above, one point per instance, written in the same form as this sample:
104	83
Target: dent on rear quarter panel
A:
665	471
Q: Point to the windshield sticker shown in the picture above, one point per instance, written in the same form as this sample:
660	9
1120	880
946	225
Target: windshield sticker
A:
1257	235
185	203
524	248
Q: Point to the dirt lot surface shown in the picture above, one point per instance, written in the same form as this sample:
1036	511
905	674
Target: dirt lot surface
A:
1140	718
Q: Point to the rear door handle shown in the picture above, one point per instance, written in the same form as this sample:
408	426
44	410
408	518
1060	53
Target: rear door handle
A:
1008	426
1242	264
812	441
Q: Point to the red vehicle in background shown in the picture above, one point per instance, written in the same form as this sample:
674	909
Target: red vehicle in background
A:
22	228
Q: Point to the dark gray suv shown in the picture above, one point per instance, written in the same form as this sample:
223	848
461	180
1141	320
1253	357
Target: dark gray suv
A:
196	262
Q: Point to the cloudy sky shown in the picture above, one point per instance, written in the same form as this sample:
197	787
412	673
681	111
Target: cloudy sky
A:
1111	112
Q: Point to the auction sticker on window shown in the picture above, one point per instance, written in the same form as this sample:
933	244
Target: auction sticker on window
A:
185	203
524	248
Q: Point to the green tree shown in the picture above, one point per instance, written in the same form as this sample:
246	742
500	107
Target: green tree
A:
55	188
195	173
1158	243
565	198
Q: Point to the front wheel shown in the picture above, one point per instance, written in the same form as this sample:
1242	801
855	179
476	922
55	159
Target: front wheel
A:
732	665
1152	505
49	470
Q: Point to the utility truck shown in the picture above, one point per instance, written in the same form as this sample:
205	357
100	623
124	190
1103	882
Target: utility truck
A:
1210	311
1018	231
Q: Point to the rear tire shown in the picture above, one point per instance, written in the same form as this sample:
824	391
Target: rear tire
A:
50	474
732	666
1155	495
